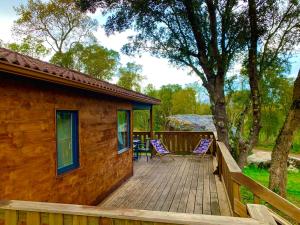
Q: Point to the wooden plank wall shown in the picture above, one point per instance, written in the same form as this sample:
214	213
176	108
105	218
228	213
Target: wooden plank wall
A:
28	143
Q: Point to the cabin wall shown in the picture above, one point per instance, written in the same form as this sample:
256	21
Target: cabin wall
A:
28	143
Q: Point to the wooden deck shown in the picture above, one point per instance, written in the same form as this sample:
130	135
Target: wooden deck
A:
186	184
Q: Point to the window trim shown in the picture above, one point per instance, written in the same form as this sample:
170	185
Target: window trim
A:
128	112
75	142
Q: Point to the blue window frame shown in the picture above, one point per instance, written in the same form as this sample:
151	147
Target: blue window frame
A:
67	140
123	130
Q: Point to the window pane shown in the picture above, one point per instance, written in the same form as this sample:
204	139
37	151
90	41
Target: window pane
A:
123	129
64	139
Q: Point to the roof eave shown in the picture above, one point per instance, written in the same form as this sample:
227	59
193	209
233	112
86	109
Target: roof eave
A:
40	75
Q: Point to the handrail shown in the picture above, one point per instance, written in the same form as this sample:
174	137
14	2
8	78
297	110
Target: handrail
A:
230	162
37	213
269	196
233	178
178	142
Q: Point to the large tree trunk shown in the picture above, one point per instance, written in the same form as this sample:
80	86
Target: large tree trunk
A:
245	148
279	158
218	107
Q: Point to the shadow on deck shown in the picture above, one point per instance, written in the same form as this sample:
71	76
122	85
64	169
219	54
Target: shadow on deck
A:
186	184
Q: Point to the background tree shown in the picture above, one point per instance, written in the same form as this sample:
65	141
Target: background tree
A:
59	23
202	35
175	99
273	35
30	47
93	59
278	169
184	102
130	77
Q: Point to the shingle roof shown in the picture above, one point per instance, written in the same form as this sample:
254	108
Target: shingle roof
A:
22	65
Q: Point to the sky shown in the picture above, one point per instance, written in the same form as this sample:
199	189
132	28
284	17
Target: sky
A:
156	70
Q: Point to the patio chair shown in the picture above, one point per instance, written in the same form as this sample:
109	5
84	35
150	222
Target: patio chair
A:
160	148
144	148
202	147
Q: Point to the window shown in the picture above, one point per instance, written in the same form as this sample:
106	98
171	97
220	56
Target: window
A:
67	140
123	130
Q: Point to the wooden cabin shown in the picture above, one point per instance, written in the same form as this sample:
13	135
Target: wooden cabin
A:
65	139
63	134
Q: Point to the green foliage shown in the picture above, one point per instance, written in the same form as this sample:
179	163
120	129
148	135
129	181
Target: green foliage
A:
58	23
276	95
174	100
184	102
93	59
262	176
30	47
130	77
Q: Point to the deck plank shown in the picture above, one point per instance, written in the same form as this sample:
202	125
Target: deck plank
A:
164	194
186	184
206	189
198	209
177	198
190	207
186	189
167	204
161	174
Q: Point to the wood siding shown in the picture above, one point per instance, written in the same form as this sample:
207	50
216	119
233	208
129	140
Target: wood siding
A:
28	143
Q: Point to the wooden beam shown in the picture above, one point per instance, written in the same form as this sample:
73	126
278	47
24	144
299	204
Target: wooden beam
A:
230	162
260	213
151	123
56	211
267	195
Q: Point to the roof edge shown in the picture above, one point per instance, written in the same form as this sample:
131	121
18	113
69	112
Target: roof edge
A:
19	70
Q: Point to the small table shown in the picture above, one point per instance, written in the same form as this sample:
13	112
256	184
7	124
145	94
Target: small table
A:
136	143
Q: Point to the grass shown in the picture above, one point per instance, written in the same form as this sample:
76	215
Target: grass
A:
261	175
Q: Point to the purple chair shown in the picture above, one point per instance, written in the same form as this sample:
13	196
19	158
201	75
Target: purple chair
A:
202	147
160	148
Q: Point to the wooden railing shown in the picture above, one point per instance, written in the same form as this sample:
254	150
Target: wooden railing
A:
233	179
41	213
178	142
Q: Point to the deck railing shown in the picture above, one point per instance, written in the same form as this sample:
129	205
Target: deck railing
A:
38	213
178	142
41	213
233	179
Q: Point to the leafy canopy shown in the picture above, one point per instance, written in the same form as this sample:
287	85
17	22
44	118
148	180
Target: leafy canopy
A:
59	23
30	47
130	77
93	59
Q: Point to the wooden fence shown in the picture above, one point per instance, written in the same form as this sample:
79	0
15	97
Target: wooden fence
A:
233	179
41	213
178	142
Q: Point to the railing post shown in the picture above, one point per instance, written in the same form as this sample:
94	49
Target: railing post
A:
260	213
151	123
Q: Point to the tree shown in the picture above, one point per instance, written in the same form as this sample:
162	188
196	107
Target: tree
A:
202	35
93	59
130	77
184	102
207	36
273	35
59	23
278	169
276	93
30	47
